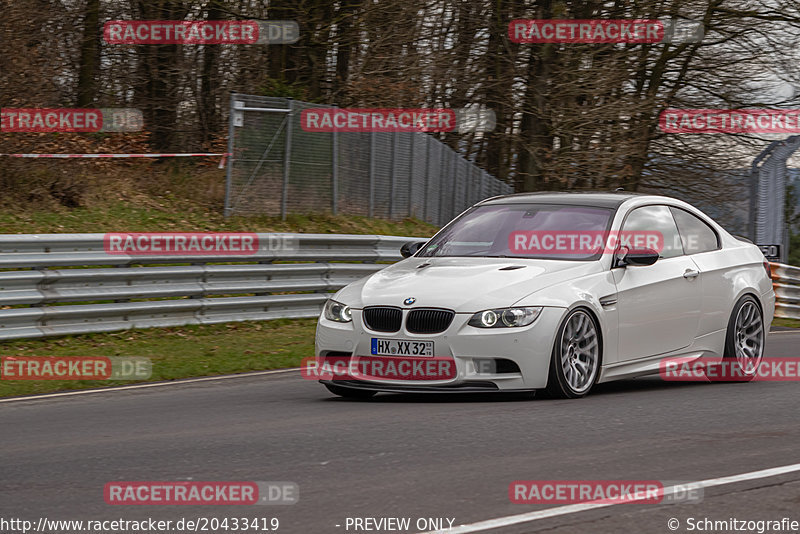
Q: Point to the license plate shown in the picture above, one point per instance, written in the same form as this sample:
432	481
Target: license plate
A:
401	347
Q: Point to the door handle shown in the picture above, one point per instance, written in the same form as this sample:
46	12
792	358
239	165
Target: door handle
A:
691	274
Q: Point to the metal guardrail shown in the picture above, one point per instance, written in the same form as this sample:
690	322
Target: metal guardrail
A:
786	282
57	284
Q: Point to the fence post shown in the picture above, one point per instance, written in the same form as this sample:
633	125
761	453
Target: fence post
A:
468	188
229	170
335	172
287	158
454	173
442	154
427	177
372	174
412	135
393	175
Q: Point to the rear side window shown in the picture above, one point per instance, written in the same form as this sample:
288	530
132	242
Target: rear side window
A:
696	235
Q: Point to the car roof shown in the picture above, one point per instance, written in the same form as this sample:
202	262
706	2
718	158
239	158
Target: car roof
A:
577	198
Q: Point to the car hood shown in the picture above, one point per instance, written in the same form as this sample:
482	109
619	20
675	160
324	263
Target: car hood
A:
466	285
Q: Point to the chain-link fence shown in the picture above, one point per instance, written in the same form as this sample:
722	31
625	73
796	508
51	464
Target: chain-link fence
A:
278	168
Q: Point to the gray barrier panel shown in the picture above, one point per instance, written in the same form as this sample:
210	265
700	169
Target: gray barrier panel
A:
71	285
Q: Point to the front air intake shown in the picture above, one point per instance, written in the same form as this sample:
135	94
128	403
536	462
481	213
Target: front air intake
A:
429	321
383	318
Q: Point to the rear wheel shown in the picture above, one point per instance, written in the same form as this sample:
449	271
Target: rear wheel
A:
350	393
744	343
575	361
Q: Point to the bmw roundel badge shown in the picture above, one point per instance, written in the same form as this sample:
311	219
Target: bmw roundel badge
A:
409	301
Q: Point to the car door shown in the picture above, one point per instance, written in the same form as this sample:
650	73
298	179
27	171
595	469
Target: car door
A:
658	305
702	244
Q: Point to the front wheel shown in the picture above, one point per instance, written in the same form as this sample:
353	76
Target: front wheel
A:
350	393
575	361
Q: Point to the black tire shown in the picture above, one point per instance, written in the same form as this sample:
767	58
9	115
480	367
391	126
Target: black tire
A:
558	383
734	368
350	393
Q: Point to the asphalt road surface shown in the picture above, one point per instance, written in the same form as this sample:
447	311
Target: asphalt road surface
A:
450	457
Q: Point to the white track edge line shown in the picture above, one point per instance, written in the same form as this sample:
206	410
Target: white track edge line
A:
506	521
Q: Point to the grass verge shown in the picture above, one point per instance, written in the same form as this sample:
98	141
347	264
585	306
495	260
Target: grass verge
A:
124	217
182	352
790	323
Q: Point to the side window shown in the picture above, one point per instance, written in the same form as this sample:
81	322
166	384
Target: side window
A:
696	235
647	221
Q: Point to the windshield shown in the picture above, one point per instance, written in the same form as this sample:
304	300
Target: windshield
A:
544	231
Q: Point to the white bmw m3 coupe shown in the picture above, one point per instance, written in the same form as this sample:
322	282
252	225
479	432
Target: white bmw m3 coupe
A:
550	291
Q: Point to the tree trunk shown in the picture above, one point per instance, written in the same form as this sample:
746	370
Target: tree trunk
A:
90	56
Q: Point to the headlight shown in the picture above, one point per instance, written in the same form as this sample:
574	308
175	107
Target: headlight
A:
505	317
336	311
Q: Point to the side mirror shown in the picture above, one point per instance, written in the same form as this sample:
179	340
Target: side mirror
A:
640	257
411	248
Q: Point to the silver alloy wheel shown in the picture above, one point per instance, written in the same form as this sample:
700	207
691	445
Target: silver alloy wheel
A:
749	340
580	351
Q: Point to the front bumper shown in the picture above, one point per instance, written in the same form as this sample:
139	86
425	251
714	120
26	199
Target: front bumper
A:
529	348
